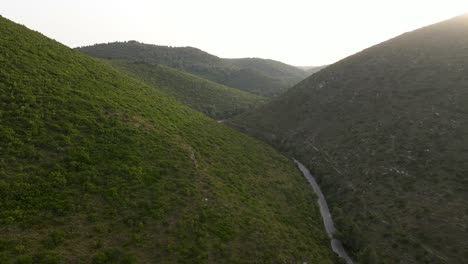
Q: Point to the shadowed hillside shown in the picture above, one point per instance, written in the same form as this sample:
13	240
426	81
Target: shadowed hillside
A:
98	167
385	131
258	76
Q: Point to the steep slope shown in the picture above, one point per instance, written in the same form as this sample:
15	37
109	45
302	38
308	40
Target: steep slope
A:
385	132
259	76
97	167
213	99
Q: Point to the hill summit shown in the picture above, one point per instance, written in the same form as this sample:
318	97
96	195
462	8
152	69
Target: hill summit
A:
259	76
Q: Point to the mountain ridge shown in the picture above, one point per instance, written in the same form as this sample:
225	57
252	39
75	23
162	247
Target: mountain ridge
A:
383	131
259	76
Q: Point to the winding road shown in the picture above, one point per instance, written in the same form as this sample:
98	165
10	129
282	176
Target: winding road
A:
336	244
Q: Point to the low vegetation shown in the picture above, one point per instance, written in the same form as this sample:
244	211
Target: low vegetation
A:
98	167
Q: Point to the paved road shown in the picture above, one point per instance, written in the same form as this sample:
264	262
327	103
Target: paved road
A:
336	244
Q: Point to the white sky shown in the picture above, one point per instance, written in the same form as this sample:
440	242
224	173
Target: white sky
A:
298	32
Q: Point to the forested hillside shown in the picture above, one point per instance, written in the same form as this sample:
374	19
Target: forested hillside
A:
98	167
213	99
385	131
259	76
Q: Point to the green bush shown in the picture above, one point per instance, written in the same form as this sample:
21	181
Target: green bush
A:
24	259
47	258
113	256
54	239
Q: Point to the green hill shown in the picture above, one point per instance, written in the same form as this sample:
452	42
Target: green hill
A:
259	76
215	100
98	167
385	132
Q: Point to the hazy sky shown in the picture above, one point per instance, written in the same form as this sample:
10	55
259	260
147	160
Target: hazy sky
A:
298	32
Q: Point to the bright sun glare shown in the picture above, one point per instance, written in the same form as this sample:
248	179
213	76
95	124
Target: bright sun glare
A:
298	32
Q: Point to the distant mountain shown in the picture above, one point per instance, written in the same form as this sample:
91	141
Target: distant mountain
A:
98	167
385	131
311	69
259	76
213	99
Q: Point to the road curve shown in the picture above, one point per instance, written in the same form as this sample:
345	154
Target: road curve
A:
336	244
